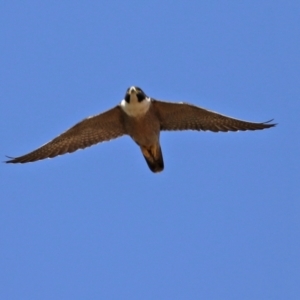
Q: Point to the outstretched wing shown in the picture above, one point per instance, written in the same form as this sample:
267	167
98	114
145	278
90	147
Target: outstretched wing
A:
183	116
90	131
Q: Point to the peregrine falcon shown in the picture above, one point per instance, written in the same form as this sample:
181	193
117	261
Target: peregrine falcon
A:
142	118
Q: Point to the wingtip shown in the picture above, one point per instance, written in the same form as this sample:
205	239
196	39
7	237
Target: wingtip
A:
272	124
11	159
269	121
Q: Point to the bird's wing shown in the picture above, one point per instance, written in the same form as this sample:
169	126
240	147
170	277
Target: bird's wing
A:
183	116
90	131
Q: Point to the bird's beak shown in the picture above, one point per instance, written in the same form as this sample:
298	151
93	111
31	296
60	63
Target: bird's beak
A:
132	90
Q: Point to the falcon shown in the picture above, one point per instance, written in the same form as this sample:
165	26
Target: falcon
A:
142	118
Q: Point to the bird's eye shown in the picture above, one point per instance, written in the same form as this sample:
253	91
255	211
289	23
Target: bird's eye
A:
140	97
127	98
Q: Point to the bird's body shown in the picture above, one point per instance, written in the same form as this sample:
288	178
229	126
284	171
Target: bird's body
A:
142	118
143	126
140	121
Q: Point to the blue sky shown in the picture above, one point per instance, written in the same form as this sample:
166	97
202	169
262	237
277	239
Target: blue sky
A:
221	221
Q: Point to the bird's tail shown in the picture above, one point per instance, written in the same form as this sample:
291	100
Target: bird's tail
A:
154	158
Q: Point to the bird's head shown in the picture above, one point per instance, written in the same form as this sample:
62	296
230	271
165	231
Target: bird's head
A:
134	93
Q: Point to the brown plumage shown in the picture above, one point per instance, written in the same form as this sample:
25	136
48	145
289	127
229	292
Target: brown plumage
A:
184	116
93	130
142	118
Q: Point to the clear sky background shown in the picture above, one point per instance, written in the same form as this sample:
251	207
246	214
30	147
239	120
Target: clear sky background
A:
221	221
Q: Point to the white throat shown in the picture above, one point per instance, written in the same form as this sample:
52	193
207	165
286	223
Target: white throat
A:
135	108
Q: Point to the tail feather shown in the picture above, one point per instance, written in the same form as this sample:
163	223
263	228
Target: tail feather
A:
154	158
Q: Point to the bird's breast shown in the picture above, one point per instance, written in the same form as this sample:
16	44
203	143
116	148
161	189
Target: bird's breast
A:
135	108
144	130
